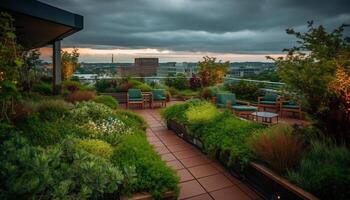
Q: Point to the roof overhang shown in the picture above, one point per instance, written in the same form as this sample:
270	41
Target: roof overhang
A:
38	24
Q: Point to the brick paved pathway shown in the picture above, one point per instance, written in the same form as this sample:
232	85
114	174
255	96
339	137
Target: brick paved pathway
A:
200	177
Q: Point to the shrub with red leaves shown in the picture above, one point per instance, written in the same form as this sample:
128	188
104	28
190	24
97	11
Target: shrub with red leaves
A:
195	82
21	112
79	96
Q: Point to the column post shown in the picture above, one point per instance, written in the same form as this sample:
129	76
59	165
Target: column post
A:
57	69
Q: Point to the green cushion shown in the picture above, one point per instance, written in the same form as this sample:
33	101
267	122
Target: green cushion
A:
244	108
135	99
158	94
290	106
134	93
268	102
223	98
270	97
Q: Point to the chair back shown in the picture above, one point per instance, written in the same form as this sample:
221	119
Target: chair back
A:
223	98
158	94
134	93
270	97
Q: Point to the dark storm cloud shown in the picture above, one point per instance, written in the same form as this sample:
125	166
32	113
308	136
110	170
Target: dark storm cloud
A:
199	25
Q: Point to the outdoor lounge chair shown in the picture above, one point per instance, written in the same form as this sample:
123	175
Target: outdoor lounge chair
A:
270	100
158	95
229	100
288	106
134	96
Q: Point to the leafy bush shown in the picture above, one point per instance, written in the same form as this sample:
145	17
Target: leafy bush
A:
103	85
324	171
106	100
21	112
178	81
131	119
95	147
187	93
195	82
144	87
72	86
201	113
84	112
246	90
29	172
220	132
42	88
278	147
53	109
80	96
151	172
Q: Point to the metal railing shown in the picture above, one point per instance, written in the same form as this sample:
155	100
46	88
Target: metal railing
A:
266	85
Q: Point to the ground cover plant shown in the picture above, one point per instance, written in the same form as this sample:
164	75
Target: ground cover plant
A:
79	151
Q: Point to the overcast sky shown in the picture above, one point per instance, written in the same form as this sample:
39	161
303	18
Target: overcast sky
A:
186	30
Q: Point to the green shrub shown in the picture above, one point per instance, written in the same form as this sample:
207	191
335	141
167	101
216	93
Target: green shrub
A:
278	147
246	90
178	81
95	147
72	86
131	119
143	87
152	174
187	93
201	113
220	132
324	171
102	86
53	109
45	132
84	112
106	100
42	88
63	172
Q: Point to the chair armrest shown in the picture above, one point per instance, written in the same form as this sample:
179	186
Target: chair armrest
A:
260	98
243	102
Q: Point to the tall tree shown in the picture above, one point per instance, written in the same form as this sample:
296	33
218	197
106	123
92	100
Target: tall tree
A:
10	64
212	72
309	68
29	71
70	63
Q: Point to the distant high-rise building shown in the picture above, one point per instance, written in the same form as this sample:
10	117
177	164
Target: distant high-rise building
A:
112	58
141	67
186	68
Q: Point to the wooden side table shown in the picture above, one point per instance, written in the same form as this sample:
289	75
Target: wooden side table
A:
147	98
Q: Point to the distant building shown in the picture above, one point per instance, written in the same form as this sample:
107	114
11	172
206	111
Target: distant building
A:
86	78
141	67
249	68
165	69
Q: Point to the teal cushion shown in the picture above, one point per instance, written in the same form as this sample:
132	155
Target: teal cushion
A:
244	108
159	98
134	93
270	97
158	94
268	102
223	98
135	99
290	106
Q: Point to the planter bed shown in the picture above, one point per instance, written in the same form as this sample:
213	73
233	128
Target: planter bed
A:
265	182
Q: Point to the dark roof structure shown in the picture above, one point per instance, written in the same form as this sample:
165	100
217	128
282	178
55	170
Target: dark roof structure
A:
38	24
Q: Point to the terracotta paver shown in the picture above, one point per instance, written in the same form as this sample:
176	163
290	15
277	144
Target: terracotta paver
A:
184	175
190	189
230	193
200	177
215	182
203	170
